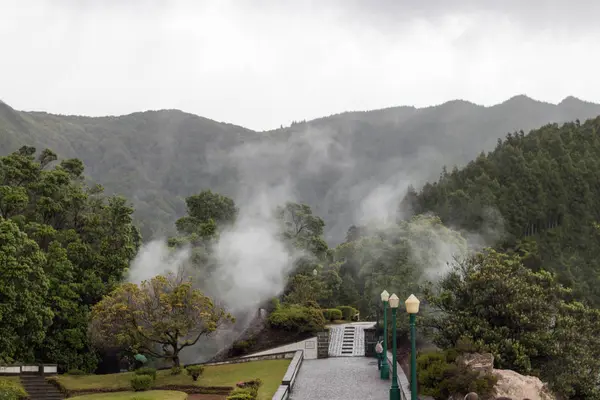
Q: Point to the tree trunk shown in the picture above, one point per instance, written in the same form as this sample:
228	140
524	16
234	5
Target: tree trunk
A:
175	359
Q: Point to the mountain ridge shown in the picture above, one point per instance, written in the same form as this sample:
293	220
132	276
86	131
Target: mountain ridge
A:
334	163
567	99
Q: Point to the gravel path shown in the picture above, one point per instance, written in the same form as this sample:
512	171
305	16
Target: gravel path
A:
342	378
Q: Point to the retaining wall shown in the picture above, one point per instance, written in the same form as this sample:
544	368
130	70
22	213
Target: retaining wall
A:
287	383
29	369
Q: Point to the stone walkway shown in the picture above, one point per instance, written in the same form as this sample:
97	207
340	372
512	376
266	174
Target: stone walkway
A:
342	378
348	340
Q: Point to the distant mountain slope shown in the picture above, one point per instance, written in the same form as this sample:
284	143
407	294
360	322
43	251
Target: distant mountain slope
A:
157	158
545	186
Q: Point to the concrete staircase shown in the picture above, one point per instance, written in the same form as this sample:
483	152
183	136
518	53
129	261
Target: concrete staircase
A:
347	340
38	389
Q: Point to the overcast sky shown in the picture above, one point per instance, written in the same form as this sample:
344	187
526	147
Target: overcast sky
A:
260	63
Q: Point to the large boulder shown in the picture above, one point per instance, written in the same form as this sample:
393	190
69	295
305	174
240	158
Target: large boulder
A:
510	383
516	386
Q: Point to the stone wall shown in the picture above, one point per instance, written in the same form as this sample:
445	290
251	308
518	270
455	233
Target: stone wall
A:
323	344
370	341
308	346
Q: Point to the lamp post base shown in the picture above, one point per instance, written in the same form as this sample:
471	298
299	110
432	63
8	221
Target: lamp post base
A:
395	394
385	369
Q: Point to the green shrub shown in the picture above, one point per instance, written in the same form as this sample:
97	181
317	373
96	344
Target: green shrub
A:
241	347
76	372
312	304
146	371
176	370
440	377
275	304
296	318
11	391
242	394
347	312
195	371
139	383
332	314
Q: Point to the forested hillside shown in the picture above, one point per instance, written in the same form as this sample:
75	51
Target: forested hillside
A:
158	158
545	186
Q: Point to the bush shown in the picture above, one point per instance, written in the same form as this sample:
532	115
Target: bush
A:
332	314
176	370
275	304
140	383
441	378
11	391
241	347
146	371
347	312
195	371
251	384
242	394
312	304
76	372
296	318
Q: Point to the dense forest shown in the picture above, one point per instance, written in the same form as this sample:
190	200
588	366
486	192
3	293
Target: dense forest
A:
545	187
65	250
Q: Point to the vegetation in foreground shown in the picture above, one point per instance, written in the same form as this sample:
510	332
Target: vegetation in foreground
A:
149	395
269	371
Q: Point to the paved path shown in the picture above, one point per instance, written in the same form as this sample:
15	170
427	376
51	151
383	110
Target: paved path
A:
342	378
348	340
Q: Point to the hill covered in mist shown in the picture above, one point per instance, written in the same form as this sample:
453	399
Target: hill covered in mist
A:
349	167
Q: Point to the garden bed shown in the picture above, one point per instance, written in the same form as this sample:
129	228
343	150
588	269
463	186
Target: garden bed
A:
216	380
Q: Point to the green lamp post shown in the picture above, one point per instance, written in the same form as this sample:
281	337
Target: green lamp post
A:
412	308
385	368
394	302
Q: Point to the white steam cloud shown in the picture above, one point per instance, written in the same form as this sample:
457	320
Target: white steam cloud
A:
253	262
155	258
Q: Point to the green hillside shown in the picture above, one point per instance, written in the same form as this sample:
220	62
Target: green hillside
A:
545	187
157	158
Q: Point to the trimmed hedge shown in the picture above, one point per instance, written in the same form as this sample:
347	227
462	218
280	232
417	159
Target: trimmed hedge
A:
246	390
348	312
146	371
332	314
139	383
195	371
297	318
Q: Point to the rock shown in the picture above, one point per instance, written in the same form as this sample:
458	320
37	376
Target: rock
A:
516	386
478	362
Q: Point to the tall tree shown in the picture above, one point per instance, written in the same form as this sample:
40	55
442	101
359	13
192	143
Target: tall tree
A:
161	317
24	314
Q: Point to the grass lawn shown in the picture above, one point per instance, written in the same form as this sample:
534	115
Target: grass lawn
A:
14	379
269	371
150	395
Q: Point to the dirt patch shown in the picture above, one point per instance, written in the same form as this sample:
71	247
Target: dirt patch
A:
206	397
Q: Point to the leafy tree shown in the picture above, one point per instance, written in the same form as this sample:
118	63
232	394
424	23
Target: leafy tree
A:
525	318
85	239
24	316
306	288
206	210
160	317
302	229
